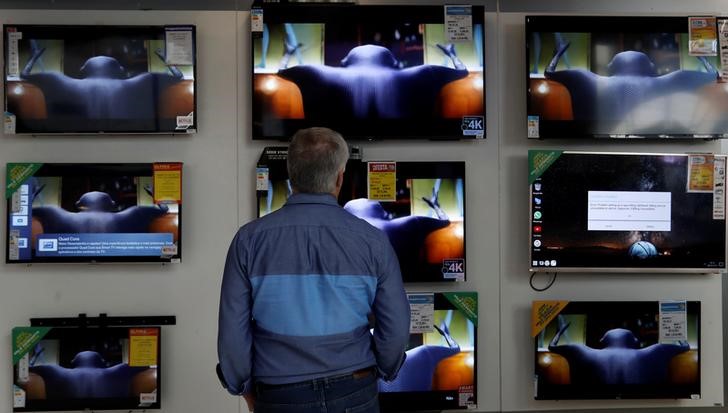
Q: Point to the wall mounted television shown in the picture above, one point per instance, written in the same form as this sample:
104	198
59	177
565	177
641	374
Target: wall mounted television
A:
616	350
93	213
440	371
99	79
627	212
369	72
426	222
86	368
620	77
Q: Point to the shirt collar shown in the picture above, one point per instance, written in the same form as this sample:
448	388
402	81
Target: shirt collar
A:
302	198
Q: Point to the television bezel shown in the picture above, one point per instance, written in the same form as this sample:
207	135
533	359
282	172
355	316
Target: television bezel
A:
307	12
563	395
89	404
644	270
191	130
567	130
177	258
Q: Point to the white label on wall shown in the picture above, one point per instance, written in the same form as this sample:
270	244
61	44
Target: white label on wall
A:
673	321
422	313
179	47
719	187
256	20
458	23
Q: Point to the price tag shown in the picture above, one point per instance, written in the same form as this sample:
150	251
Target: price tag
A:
179	46
703	36
459	23
256	20
13	245
700	173
143	344
9	124
13	55
673	321
18	397
167	183
723	46
422	313
719	188
533	126
23	368
382	181
261	179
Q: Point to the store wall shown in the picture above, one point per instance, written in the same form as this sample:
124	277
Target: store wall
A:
219	196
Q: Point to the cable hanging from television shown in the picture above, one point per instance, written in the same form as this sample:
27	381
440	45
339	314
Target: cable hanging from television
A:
550	283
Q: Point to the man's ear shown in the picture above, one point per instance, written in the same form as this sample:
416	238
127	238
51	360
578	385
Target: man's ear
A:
340	179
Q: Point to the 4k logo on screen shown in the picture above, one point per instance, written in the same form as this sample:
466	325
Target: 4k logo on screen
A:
453	269
473	126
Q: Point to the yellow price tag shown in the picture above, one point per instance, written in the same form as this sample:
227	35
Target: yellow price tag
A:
143	347
382	181
543	312
168	183
700	173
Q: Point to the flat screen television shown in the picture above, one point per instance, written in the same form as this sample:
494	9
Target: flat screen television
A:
425	222
440	369
616	350
369	72
86	368
99	79
627	212
620	77
93	212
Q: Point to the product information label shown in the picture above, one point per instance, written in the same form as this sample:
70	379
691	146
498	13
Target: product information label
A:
143	345
422	313
458	23
261	179
466	394
382	181
719	165
703	36
256	20
13	60
24	368
167	183
533	126
9	124
180	47
673	321
723	46
700	173
544	312
18	397
13	245
185	122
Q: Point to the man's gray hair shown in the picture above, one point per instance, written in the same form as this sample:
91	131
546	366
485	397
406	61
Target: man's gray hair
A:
315	157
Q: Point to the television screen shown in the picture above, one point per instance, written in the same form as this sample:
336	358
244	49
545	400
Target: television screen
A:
627	212
425	219
86	368
369	72
440	369
99	79
620	77
93	212
616	350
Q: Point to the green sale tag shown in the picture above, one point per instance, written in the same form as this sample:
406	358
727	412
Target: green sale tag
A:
539	161
17	173
467	302
24	338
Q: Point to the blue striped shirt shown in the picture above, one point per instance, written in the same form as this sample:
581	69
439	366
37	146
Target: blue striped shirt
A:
298	286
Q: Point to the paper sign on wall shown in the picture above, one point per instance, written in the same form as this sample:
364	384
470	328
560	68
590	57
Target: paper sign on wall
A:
167	183
673	321
382	181
143	344
703	36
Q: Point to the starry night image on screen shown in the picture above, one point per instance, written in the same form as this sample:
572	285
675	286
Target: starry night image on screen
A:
367	72
610	350
594	76
612	211
97	79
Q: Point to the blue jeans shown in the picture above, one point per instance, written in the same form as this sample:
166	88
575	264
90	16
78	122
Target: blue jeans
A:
340	394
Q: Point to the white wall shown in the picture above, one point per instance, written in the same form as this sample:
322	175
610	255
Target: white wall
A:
218	196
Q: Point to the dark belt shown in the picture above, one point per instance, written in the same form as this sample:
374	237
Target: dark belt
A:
356	375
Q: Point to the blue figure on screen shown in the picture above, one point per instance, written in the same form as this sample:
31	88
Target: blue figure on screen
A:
419	365
96	215
104	92
621	361
642	250
370	84
290	46
632	81
88	377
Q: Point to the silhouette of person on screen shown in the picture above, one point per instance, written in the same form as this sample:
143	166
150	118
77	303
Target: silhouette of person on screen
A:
621	361
370	84
96	215
104	92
